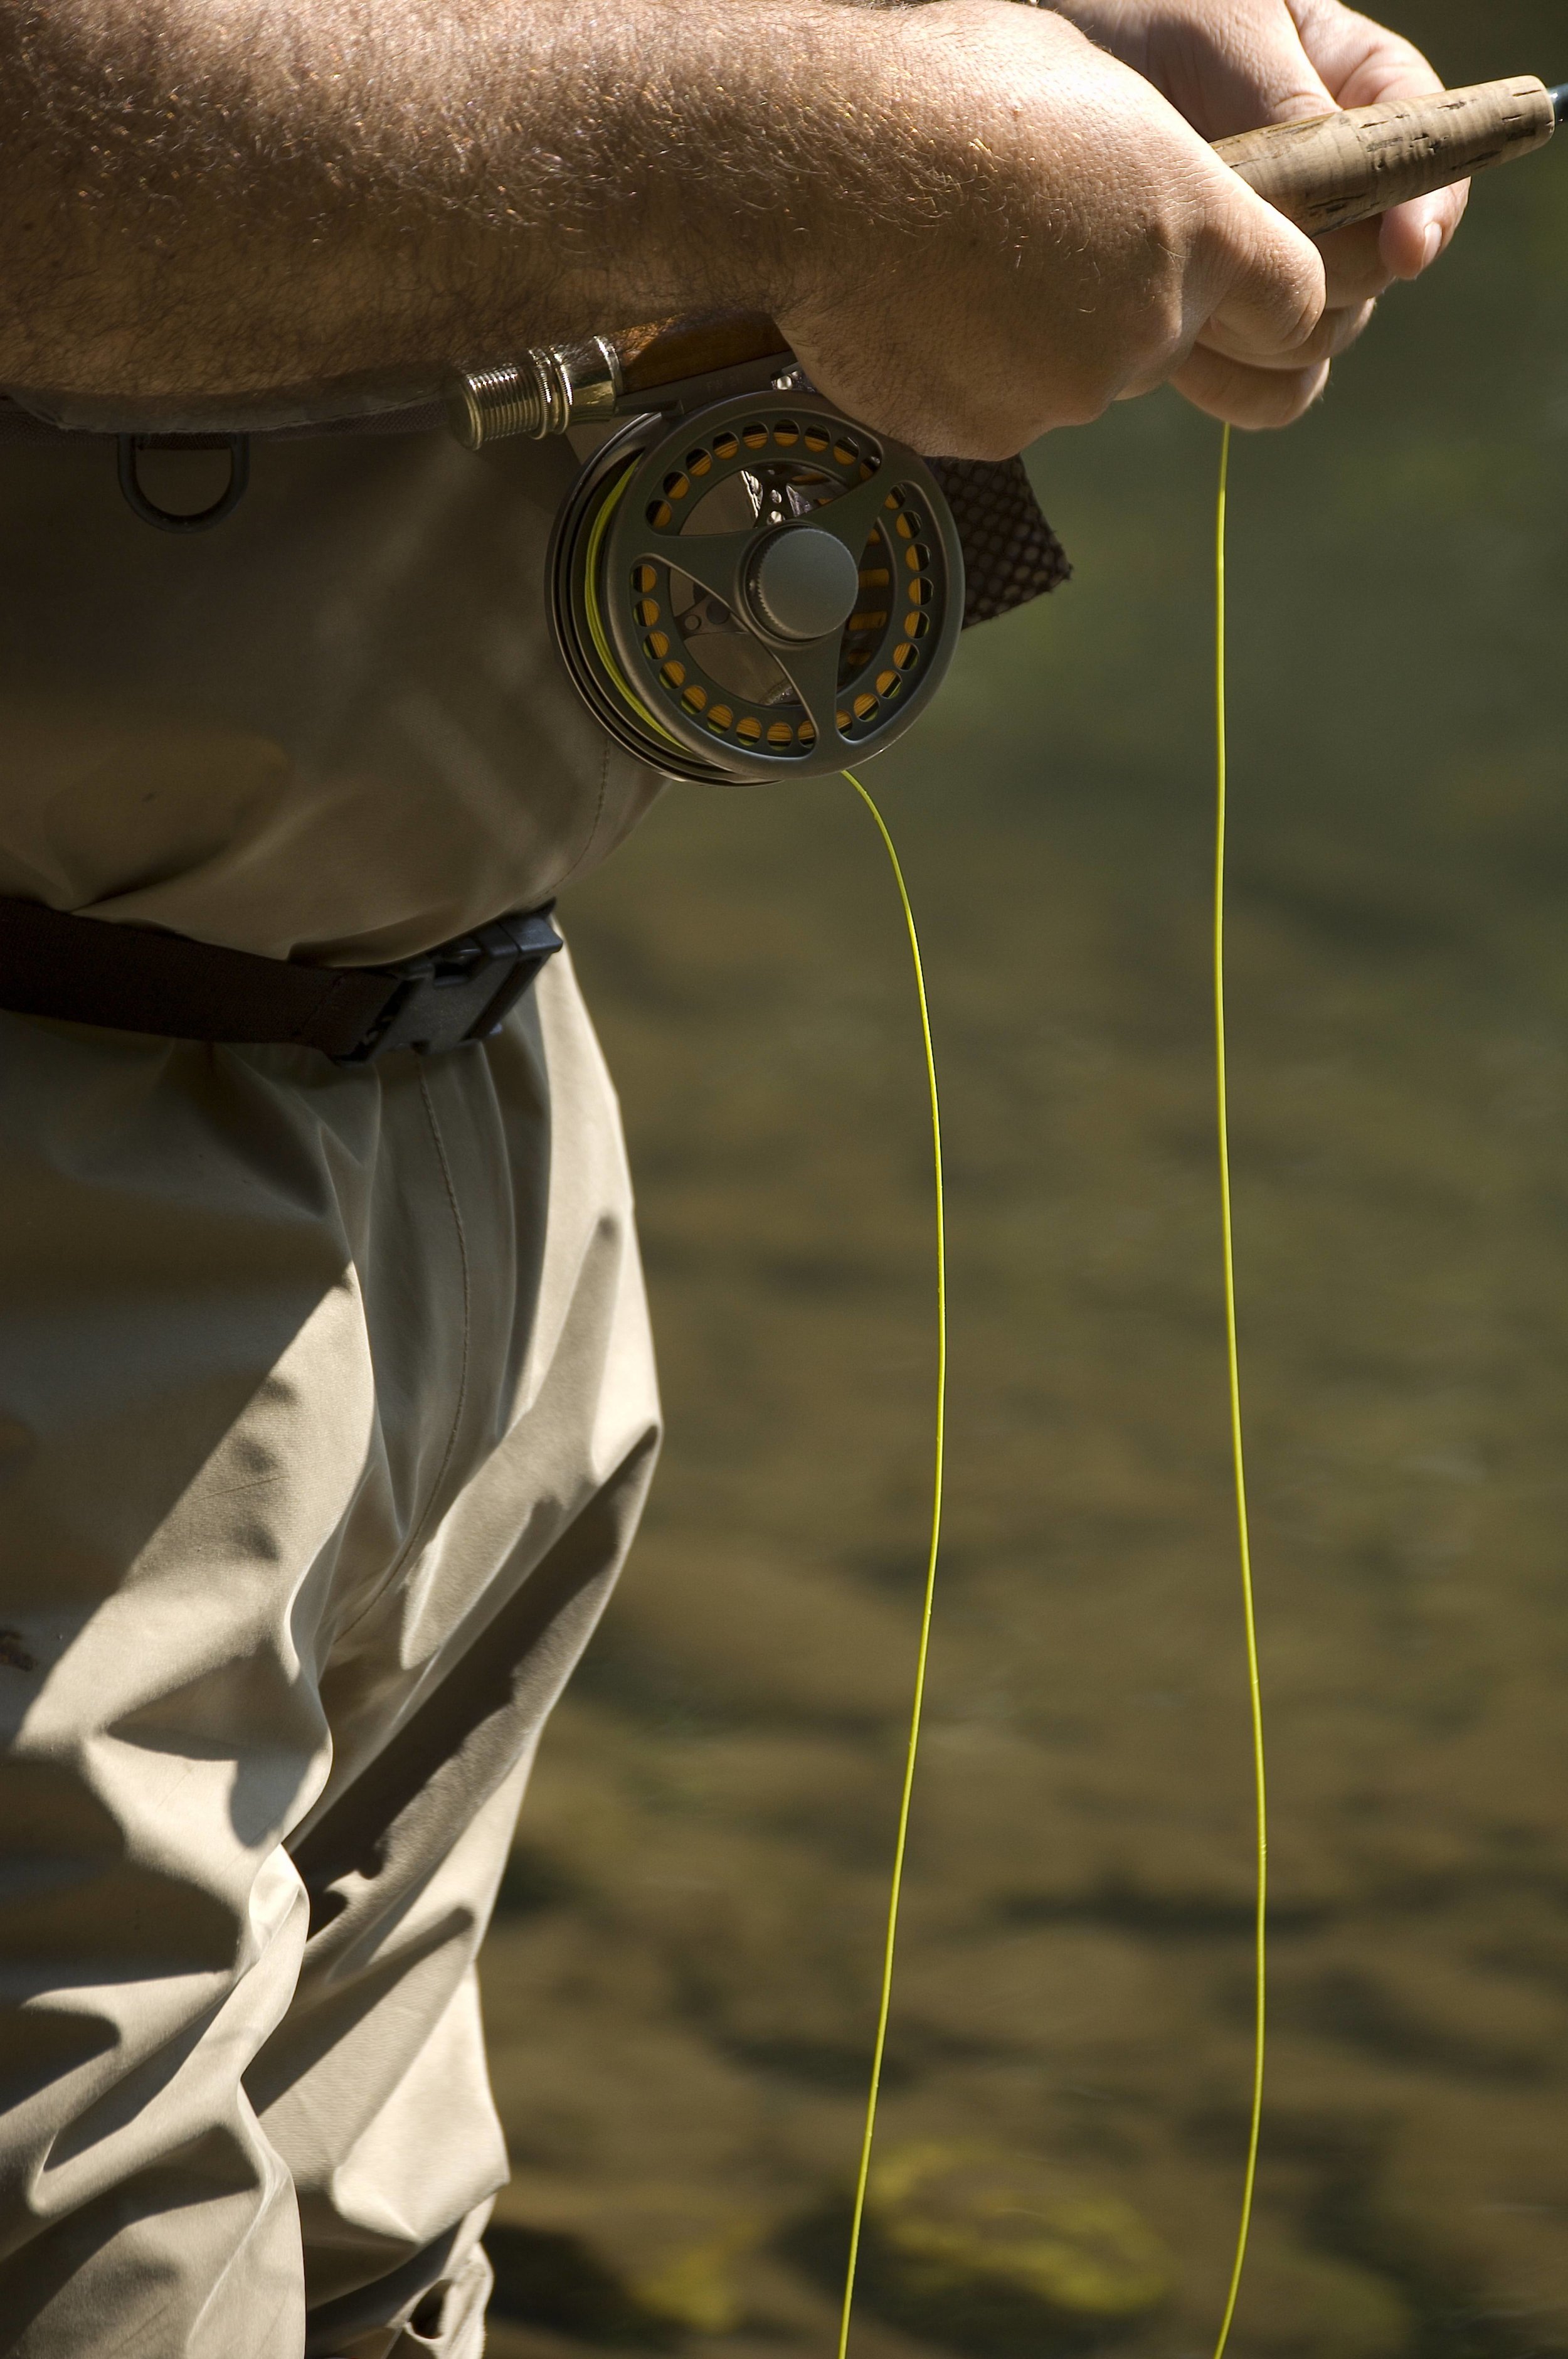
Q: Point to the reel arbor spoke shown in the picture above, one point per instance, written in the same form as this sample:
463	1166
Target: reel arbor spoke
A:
850	518
716	561
813	672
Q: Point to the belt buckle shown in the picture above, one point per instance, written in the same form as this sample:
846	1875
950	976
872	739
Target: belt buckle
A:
462	990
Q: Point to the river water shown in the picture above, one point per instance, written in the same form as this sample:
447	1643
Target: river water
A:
680	1987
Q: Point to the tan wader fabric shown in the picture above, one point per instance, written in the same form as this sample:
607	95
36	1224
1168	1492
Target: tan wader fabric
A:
325	1412
326	1403
334	728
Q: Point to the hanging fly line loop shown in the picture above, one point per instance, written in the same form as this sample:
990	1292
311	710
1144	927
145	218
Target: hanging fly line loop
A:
1238	1469
1233	1375
928	1599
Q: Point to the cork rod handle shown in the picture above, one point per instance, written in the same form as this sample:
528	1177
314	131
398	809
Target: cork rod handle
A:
1333	170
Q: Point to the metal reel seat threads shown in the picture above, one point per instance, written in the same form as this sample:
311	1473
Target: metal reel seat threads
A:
758	590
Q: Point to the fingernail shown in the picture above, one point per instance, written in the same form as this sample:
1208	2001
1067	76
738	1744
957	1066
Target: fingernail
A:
1433	244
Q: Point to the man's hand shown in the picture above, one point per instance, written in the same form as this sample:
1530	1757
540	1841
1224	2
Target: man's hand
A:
1065	240
1232	65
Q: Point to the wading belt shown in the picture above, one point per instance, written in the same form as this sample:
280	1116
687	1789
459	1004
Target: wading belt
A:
134	979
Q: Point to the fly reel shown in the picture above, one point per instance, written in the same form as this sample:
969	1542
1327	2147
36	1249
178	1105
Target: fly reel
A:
757	591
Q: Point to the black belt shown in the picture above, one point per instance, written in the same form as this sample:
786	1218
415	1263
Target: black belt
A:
133	979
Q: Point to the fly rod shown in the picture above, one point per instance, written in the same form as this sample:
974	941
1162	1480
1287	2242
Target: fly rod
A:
1323	174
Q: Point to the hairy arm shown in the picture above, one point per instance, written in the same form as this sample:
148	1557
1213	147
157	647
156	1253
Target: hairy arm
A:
973	224
212	198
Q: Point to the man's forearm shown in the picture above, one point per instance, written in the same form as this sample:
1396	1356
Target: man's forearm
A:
971	223
212	201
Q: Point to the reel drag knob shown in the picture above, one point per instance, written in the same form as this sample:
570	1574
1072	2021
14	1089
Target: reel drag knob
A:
755	590
803	582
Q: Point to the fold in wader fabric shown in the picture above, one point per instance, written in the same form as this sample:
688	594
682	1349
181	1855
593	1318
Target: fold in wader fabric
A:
325	1412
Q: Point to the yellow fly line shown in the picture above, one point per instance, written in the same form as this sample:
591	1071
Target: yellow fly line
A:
889	1937
900	1840
1233	1365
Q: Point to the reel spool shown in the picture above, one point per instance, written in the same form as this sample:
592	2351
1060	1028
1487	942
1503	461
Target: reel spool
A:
758	590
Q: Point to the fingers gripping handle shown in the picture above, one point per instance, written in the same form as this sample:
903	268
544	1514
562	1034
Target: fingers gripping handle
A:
1337	169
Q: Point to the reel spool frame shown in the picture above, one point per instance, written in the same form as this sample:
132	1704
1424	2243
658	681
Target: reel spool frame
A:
756	590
